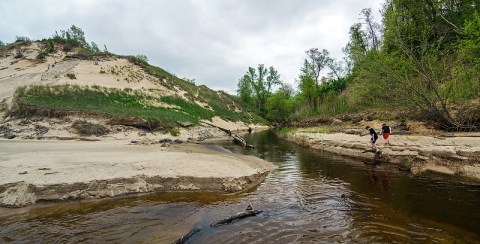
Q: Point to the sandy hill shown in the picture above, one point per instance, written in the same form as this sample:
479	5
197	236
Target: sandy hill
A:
72	93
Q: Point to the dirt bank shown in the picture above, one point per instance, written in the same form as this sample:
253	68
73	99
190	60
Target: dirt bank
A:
453	154
34	171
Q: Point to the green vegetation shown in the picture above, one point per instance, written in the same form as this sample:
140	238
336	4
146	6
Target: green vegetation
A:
86	128
112	102
124	104
421	62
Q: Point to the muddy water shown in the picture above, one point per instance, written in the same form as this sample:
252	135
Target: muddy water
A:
311	197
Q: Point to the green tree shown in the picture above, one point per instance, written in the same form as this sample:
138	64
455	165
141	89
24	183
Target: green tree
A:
307	86
245	91
261	81
279	106
316	61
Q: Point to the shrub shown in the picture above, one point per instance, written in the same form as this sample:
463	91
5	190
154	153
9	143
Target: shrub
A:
86	128
71	76
174	131
18	54
41	55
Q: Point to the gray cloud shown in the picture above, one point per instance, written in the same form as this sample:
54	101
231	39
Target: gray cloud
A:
213	41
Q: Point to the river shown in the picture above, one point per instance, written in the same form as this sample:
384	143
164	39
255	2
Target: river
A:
311	197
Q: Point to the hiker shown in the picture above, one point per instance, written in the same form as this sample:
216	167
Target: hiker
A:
373	139
386	133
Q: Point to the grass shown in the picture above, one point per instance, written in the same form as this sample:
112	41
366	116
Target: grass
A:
103	101
124	104
284	131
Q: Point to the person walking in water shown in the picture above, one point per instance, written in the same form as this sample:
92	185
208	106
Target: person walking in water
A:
386	133
373	139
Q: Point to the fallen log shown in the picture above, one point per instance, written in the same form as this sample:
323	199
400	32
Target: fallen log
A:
240	140
244	214
185	238
240	215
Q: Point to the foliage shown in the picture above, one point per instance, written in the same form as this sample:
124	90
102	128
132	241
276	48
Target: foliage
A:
279	106
113	102
423	58
143	58
86	128
261	81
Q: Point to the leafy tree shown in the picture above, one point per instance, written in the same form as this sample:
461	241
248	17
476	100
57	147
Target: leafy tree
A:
315	63
94	47
142	58
307	86
372	28
261	81
245	91
279	106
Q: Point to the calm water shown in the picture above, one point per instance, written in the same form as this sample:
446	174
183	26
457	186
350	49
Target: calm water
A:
311	197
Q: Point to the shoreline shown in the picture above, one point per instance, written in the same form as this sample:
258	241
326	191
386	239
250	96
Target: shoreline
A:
38	171
456	156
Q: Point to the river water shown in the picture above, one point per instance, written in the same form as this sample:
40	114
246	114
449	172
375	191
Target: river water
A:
311	197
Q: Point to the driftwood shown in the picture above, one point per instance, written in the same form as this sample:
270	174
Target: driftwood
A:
185	238
240	215
240	140
244	214
236	138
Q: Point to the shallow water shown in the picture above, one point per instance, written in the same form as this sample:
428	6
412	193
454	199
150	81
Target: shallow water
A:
311	197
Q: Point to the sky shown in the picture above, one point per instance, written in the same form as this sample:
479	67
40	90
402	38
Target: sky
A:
211	41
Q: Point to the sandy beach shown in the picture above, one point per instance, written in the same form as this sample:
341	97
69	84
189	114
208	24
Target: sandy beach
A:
452	154
34	171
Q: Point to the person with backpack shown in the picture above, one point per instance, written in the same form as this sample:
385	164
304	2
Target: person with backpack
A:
373	139
386	133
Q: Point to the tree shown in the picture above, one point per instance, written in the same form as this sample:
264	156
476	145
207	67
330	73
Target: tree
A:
245	91
279	105
316	61
357	47
261	81
307	85
142	57
77	35
372	28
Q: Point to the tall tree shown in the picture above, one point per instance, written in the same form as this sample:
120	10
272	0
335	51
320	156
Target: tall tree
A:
315	63
261	81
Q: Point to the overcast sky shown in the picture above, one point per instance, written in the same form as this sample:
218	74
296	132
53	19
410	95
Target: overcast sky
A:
211	41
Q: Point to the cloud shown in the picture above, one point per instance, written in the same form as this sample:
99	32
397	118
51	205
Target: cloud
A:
213	41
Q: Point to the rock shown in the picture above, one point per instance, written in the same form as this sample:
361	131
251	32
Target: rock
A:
354	131
165	140
9	135
41	130
184	123
178	141
142	133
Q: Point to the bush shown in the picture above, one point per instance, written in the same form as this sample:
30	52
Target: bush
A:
41	55
71	76
18	54
86	128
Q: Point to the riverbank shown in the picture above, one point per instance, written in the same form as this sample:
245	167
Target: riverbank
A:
452	155
35	171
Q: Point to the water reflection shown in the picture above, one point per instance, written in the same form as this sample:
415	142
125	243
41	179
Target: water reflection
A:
311	197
